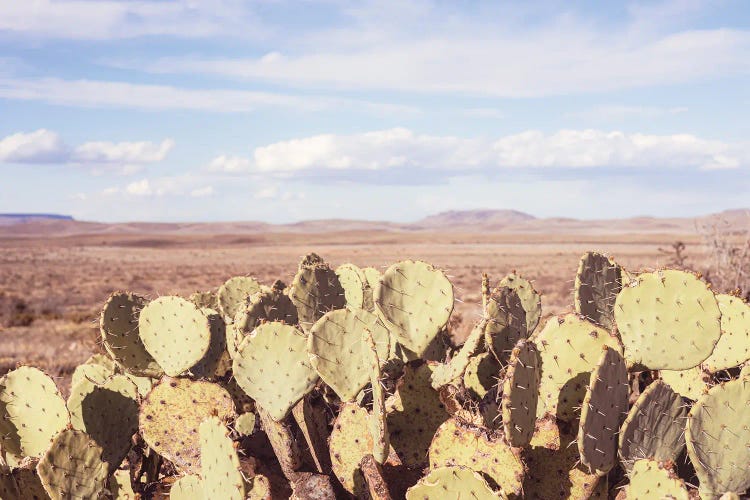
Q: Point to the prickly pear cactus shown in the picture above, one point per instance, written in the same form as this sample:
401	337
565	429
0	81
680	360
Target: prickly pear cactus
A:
205	300
32	412
176	407
351	440
521	393
372	276
338	352
120	485
216	363
604	408
315	290
175	332
353	281
733	347
378	421
267	305
459	444
718	438
598	281
234	294
272	366
690	383
652	479
506	322
530	298
668	320
417	300
654	427
72	467
569	348
245	424
482	373
220	466
445	373
453	482
97	369
121	337
188	487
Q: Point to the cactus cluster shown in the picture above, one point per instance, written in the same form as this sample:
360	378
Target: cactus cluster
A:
346	384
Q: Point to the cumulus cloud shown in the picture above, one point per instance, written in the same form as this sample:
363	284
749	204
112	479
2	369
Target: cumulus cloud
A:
40	146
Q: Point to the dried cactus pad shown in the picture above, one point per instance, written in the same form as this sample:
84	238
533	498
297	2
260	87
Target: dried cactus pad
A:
175	332
598	281
220	466
315	290
176	407
521	393
569	348
604	408
654	427
651	479
445	373
668	320
187	488
32	412
690	383
530	298
120	333
417	300
506	322
72	467
453	482
351	440
272	366
207	299
718	438
234	294
338	352
354	281
733	347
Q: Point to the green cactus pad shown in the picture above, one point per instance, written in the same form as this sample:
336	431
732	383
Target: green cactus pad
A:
378	420
445	373
97	369
460	444
216	363
530	298
654	427
372	276
107	412
651	479
351	441
690	383
718	438
315	290
32	412
733	347
220	466
417	300
668	320
338	353
604	408
205	300
267	305
176	407
353	281
121	486
506	322
482	373
245	424
72	467
272	366
569	348
234	294
120	334
452	482
521	393
144	384
416	413
175	332
187	488
598	281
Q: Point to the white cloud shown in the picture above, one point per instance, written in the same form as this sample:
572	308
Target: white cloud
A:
401	148
122	152
622	112
267	193
40	146
202	192
139	188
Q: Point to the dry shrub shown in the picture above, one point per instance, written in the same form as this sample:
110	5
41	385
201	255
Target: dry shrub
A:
728	246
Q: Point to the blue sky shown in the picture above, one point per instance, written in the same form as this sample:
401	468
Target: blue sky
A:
275	110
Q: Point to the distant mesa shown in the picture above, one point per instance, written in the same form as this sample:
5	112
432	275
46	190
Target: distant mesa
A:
7	219
475	218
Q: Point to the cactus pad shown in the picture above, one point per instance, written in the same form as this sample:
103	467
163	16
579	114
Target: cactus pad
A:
216	362
220	466
350	441
598	281
245	424
733	347
176	407
604	408
482	373
72	467
205	300
97	369
521	393
234	294
315	290
372	276
121	486
506	322
651	479
417	300
338	352
452	482
267	305
668	320
187	488
120	333
353	281
569	348
654	427
530	298
690	383
378	421
445	373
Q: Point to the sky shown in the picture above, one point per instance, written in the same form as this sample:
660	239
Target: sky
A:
281	110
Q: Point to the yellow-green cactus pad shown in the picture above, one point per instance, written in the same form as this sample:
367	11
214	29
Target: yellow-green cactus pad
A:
604	408
569	348
245	424
120	485
267	305
73	467
175	407
482	373
175	332
521	393
372	276
261	488
353	281
97	369
460	444
121	337
530	298
651	479
220	466
417	300
506	322
234	294
452	482
690	383
272	366
733	347
32	412
216	362
315	290
188	487
445	373
378	420
718	438
654	427
598	281
338	352
668	320
205	300
351	441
